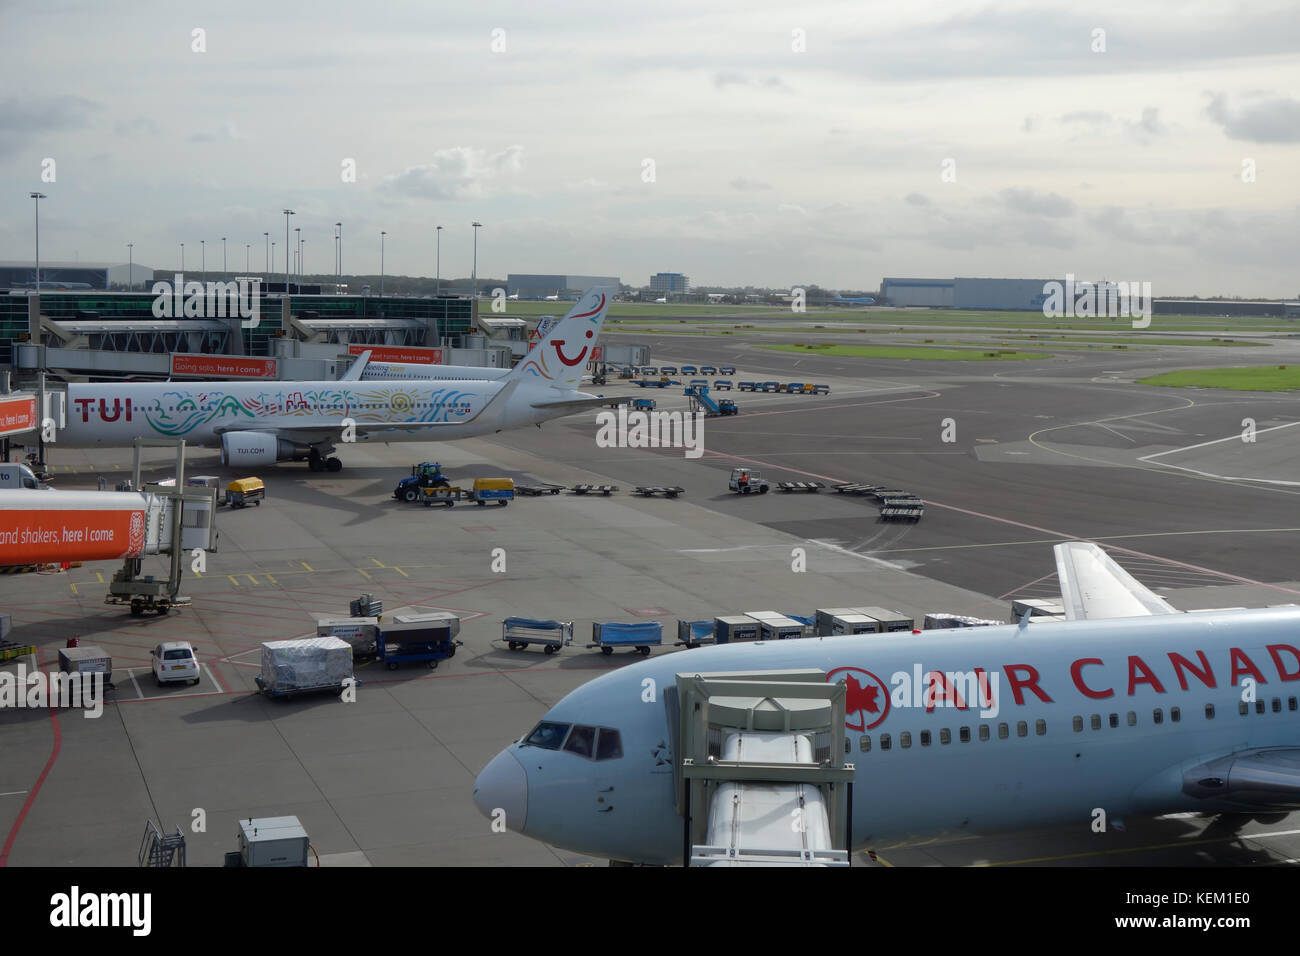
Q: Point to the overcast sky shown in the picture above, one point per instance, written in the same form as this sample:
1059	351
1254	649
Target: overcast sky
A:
772	165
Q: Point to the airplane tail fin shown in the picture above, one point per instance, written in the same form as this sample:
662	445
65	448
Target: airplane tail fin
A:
560	357
357	367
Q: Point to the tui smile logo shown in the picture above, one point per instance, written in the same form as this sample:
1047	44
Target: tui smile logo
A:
559	351
867	701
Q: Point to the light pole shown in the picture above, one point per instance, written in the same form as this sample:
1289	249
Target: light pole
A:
338	250
268	271
297	248
247	252
267	237
223	256
287	214
203	260
439	234
302	262
182	258
474	280
381	264
38	197
130	266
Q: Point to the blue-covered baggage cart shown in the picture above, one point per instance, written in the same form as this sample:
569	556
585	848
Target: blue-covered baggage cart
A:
641	636
519	632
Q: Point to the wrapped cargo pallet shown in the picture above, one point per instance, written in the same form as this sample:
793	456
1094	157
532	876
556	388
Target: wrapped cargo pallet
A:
303	664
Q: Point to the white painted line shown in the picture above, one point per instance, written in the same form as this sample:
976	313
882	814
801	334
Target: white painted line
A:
138	693
13	793
1236	437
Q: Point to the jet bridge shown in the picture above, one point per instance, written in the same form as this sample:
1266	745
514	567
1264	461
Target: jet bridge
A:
762	778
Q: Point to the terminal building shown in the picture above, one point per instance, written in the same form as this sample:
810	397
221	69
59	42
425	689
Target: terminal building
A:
528	286
81	335
1027	295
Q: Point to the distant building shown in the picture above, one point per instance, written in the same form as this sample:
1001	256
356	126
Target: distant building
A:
670	283
71	276
917	293
528	286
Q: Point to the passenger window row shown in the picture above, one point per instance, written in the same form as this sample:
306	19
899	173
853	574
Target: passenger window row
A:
926	737
1261	706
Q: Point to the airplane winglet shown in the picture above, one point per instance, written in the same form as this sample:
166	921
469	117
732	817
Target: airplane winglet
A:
353	374
1093	586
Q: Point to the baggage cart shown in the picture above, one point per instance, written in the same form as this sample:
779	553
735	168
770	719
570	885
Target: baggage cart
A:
694	633
890	621
552	636
733	628
87	659
500	490
361	633
305	665
641	636
418	637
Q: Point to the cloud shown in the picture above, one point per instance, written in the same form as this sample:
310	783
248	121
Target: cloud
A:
224	133
461	171
39	114
1035	204
139	126
916	199
723	80
1274	120
748	185
1090	117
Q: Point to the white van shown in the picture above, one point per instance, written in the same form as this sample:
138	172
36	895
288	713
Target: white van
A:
17	475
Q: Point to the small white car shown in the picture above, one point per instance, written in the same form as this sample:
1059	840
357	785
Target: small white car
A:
175	661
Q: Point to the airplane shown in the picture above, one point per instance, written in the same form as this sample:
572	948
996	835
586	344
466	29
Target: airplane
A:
860	300
1127	705
256	423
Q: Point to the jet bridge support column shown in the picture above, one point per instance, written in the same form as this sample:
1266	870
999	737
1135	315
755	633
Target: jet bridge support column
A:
142	592
797	713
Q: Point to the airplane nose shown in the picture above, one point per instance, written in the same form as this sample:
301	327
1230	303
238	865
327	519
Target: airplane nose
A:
503	786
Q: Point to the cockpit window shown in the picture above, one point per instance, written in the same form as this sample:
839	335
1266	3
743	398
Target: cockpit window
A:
582	741
547	735
609	745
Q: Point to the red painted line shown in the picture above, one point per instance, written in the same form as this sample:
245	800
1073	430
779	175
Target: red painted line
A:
40	781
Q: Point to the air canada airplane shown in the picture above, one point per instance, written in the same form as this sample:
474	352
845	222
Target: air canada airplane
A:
256	423
1127	706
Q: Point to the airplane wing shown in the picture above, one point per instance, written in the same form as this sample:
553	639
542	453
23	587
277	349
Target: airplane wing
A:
1094	587
1262	777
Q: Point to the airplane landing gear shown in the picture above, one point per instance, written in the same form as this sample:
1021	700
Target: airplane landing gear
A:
333	464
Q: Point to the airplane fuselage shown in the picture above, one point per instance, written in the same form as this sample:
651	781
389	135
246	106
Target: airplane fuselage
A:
200	412
1066	719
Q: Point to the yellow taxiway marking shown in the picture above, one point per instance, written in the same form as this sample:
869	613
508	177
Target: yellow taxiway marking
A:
74	590
378	563
100	576
366	574
401	572
271	579
251	578
306	565
233	580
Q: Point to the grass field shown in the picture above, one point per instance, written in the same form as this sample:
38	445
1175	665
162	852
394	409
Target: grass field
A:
922	352
1137	340
1267	378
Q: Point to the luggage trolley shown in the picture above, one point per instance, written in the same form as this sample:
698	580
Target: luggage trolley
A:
640	636
519	632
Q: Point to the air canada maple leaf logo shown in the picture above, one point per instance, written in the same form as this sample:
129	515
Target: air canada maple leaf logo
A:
867	702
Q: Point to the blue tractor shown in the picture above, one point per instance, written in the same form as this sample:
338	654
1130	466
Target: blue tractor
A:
427	474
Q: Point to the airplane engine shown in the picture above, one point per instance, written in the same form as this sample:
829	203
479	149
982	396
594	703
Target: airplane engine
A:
260	448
